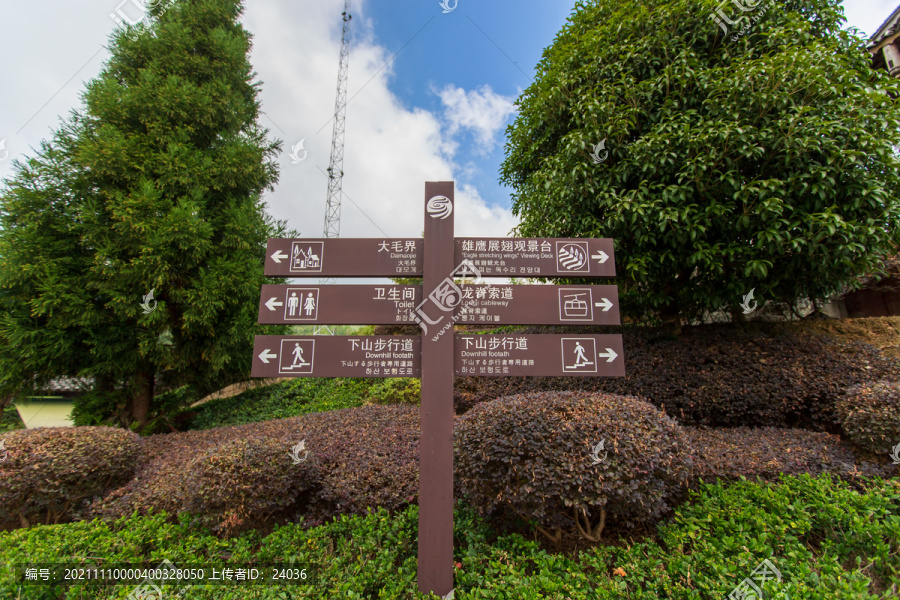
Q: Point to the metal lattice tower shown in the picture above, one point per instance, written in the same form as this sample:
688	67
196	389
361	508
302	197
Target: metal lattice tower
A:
336	162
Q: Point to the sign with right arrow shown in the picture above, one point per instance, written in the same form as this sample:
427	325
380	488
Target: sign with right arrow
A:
550	355
538	257
538	305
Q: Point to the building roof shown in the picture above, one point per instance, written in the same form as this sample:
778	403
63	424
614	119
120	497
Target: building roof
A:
886	29
69	384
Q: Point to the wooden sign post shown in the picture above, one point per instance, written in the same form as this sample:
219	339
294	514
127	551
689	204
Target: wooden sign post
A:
438	354
435	572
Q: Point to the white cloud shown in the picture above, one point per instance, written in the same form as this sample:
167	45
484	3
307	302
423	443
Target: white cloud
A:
482	111
390	151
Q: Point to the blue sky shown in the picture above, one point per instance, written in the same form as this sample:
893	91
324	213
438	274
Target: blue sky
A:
435	111
479	43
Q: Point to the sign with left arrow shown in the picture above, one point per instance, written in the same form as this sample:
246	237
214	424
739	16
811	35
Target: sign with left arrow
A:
339	304
337	356
478	304
344	257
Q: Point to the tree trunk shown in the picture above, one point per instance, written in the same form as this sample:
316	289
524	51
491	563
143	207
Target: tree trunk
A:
140	406
671	318
4	402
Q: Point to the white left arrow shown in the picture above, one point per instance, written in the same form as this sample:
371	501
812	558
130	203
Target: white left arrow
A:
601	256
606	304
609	355
266	355
278	256
271	304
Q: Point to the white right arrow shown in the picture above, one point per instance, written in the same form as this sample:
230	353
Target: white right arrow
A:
266	355
610	353
271	304
601	256
606	304
278	256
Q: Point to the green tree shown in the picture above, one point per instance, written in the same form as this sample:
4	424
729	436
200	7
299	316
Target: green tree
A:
154	185
763	160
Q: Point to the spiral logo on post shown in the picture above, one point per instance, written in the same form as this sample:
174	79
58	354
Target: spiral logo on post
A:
439	207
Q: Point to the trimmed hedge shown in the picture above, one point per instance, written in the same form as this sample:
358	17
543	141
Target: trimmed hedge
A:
50	471
870	415
359	458
717	375
245	481
768	453
532	454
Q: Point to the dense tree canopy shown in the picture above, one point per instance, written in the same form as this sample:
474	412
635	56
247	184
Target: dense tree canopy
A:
154	185
758	158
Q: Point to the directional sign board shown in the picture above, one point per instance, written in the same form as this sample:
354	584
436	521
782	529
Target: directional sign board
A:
437	354
539	304
479	304
339	304
551	355
538	257
350	257
337	356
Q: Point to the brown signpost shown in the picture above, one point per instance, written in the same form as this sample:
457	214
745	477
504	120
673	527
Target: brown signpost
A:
350	257
538	257
339	304
551	355
435	566
439	354
336	356
538	305
481	304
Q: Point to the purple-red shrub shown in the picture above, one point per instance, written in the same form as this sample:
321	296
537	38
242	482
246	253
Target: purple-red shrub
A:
717	375
869	413
359	458
767	452
49	472
535	454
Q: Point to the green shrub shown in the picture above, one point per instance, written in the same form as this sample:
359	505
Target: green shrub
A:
870	415
50	471
533	453
11	419
299	396
828	540
397	390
